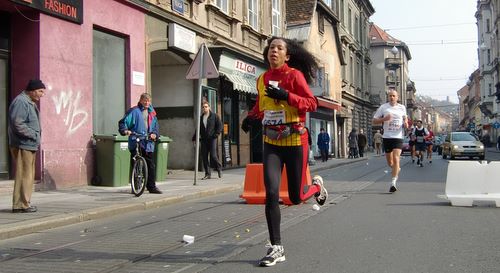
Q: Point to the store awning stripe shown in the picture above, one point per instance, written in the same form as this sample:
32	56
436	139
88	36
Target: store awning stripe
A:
242	84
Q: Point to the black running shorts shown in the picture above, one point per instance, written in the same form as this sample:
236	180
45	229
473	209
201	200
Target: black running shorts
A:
392	143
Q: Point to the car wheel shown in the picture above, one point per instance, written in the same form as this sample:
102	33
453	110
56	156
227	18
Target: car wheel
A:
481	157
444	155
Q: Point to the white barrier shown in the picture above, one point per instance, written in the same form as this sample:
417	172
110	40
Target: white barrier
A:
469	181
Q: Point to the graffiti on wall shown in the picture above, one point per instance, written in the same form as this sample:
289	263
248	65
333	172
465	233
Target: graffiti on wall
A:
69	103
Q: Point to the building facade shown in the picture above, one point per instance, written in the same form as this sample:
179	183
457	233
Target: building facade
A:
86	53
315	24
487	16
390	70
357	108
96	62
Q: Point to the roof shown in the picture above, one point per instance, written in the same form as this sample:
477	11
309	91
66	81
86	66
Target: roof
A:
300	11
378	35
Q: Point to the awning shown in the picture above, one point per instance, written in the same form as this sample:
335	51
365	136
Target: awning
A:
330	104
247	85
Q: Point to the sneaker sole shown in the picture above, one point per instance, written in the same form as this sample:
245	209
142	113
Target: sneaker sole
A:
393	189
278	260
323	193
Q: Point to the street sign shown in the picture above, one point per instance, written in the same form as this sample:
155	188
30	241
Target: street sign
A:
203	66
472	125
496	125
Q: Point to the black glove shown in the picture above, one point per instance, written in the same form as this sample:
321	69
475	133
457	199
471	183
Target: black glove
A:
276	93
245	124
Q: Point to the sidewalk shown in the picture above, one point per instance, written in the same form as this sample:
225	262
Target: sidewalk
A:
70	206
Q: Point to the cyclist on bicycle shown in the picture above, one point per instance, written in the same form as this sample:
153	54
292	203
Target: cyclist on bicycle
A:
139	121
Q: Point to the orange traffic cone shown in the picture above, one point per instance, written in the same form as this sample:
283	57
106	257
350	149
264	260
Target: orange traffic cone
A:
254	191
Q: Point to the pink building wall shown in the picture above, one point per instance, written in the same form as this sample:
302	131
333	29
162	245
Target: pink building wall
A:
67	155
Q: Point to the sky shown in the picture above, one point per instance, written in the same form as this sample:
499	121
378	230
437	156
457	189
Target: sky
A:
441	36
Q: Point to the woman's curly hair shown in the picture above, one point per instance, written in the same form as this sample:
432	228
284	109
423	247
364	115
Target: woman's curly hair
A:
300	58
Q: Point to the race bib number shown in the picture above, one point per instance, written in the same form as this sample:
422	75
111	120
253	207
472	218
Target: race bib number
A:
274	117
394	125
420	139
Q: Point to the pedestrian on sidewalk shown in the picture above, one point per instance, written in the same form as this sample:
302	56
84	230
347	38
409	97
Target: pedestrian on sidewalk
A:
362	141
210	129
498	143
377	139
323	144
24	133
394	119
353	143
283	99
141	120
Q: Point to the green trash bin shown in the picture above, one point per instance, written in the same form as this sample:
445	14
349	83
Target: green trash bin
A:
112	161
161	158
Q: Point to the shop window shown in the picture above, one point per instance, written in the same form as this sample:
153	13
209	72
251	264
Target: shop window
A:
210	94
108	82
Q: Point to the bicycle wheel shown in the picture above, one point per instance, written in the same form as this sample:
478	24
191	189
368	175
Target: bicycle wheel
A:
139	176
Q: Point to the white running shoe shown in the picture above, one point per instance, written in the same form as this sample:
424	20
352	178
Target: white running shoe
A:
322	195
275	254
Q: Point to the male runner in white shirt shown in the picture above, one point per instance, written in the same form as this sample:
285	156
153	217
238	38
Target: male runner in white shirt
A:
395	121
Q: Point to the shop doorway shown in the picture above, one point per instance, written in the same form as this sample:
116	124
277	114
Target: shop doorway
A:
4	94
4	146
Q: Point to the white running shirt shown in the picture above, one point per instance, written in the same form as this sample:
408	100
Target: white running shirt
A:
394	127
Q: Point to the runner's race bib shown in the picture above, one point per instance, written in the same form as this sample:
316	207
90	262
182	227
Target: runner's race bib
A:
274	117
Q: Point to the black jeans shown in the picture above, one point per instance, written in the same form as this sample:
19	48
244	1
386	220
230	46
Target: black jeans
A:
209	155
149	157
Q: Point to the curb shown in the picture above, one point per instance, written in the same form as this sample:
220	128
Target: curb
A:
31	226
14	230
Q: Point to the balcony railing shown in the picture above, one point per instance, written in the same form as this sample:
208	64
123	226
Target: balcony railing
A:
392	63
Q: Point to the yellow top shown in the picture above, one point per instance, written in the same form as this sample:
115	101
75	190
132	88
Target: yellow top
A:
277	112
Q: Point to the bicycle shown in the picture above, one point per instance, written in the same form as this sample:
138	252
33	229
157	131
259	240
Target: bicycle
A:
139	177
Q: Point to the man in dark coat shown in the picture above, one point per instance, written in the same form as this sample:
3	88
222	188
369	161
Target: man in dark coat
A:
210	129
361	142
323	144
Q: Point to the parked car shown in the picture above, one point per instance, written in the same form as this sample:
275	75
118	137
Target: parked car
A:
462	144
406	147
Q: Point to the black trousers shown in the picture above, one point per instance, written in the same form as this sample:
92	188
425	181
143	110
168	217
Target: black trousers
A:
295	159
209	155
324	155
149	157
361	151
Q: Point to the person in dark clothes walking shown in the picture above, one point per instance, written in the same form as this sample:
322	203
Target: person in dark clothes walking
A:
210	129
362	140
323	144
